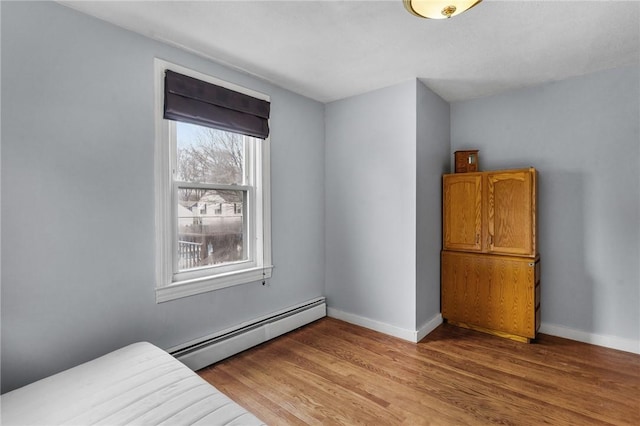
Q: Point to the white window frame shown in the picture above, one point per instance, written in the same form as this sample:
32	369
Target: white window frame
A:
170	284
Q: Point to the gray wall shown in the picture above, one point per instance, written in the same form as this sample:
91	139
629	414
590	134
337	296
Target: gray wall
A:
433	150
582	136
371	205
77	196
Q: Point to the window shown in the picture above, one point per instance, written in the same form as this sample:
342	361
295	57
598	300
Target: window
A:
218	209
212	195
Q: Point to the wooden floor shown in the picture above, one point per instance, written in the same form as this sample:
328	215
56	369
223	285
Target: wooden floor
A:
331	372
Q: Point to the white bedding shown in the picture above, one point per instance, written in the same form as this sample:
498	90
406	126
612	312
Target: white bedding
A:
139	384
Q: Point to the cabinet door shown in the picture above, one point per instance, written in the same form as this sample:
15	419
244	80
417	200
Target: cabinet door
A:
492	293
462	212
511	212
463	285
510	295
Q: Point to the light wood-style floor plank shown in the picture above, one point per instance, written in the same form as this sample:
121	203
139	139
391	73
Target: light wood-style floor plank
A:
332	372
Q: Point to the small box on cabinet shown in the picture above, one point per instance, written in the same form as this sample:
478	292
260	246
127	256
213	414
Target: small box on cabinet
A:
466	161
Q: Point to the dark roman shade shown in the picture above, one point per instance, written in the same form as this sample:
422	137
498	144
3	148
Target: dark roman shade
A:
197	102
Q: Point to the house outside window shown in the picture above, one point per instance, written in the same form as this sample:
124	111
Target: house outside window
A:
212	201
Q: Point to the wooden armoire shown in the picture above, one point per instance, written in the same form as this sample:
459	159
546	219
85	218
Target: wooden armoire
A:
490	274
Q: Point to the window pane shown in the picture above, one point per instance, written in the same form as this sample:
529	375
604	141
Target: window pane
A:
211	227
206	155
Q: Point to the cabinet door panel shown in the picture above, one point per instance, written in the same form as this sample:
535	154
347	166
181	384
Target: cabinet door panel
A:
462	287
491	292
462	212
510	208
512	296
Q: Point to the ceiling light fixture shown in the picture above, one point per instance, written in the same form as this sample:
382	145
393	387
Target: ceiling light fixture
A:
438	9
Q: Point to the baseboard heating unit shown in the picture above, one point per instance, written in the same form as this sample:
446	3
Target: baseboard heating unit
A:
210	349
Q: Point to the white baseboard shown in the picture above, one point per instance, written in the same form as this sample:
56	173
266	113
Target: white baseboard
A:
401	333
428	327
613	342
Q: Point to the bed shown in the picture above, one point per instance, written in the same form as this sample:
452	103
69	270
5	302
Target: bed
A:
139	384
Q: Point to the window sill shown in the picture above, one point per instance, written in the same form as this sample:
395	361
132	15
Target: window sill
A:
186	288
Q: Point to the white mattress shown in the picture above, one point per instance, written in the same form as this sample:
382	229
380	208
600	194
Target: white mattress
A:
139	384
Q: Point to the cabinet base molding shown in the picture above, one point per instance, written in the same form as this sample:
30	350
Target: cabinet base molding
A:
489	331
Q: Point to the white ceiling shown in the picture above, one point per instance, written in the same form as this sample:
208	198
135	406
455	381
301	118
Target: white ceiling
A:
328	50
